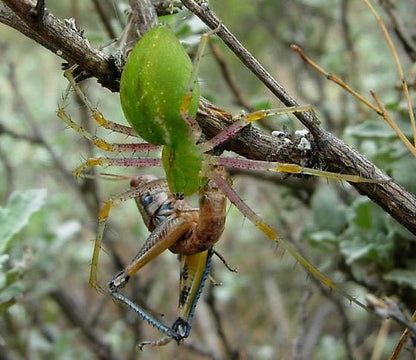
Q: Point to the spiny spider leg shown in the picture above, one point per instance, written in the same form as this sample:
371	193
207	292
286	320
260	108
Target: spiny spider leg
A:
100	143
124	162
287	168
102	220
243	120
273	236
152	108
212	168
193	80
96	115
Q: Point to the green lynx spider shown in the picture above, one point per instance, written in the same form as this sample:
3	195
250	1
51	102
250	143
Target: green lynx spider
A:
159	95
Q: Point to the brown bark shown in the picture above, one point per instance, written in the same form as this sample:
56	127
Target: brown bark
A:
63	39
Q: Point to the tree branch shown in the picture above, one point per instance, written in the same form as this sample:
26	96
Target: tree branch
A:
328	151
337	155
62	38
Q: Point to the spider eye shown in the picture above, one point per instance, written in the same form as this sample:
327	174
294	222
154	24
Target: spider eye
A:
178	196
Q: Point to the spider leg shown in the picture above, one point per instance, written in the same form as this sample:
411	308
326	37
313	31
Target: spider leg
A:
184	109
273	236
102	122
244	119
123	162
288	168
96	115
102	221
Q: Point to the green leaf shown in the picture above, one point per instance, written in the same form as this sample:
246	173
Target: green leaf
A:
10	295
402	277
369	234
328	211
323	239
356	249
404	172
323	236
371	129
4	305
13	218
364	215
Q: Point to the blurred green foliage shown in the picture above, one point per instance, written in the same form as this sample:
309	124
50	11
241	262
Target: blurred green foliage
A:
14	218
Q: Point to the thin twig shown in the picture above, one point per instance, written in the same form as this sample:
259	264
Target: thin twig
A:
383	332
104	19
386	116
393	51
9	173
406	40
334	78
387	308
19	136
337	302
299	341
232	352
40	11
73	314
209	18
380	109
145	14
403	338
199	350
227	76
